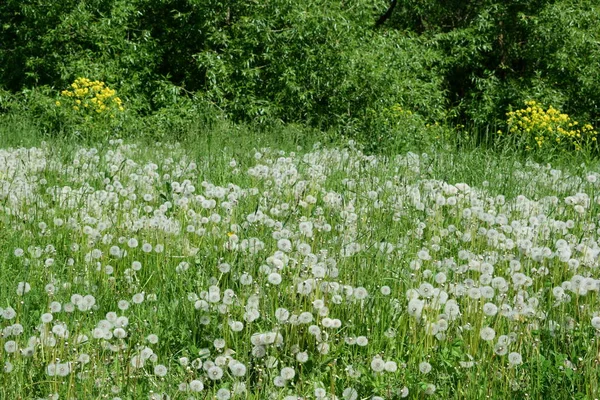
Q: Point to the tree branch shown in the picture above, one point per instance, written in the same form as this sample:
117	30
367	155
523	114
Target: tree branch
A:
387	14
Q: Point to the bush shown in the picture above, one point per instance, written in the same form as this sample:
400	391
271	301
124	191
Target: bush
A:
65	113
87	109
317	63
534	128
396	129
233	55
500	53
91	108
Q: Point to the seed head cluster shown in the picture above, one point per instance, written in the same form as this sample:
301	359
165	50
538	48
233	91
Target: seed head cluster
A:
134	272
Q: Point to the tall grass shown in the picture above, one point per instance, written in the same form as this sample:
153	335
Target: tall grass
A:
256	265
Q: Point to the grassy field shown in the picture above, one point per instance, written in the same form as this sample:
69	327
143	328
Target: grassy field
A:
243	265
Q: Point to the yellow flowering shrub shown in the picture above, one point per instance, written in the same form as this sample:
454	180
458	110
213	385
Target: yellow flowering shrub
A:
89	109
91	99
539	128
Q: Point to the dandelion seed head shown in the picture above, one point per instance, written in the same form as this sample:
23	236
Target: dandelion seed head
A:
487	334
160	370
196	386
287	373
302	357
515	358
425	367
215	373
377	364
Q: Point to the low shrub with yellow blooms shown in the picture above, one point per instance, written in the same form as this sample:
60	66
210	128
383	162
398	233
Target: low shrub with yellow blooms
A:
92	99
548	129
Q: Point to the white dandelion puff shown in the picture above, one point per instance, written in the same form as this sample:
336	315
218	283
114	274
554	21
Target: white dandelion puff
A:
377	364
487	334
160	370
215	373
515	358
425	367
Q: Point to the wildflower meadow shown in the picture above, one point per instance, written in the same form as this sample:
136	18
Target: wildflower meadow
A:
148	272
299	200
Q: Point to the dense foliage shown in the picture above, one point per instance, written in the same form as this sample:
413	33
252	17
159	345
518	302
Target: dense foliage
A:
322	63
498	54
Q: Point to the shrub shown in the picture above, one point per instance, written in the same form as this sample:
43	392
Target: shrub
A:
90	109
498	53
548	130
397	129
234	55
92	100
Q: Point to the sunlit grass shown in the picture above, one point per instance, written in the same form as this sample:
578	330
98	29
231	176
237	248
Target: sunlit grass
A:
227	268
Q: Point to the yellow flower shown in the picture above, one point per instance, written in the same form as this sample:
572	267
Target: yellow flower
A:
548	125
57	103
84	91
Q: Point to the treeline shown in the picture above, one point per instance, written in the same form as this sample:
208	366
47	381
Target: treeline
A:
327	64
